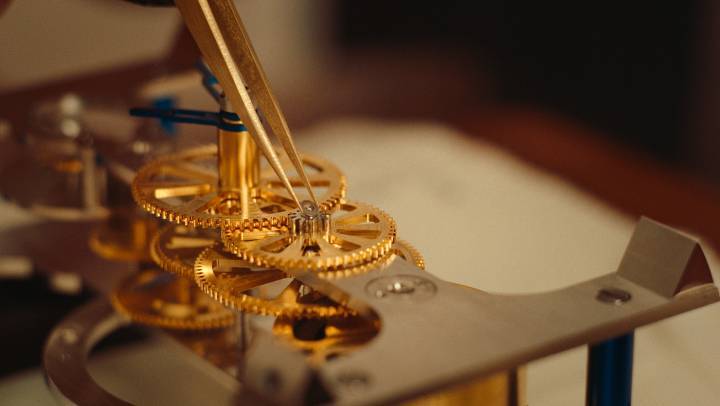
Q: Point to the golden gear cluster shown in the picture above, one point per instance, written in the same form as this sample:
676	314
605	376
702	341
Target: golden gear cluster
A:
235	238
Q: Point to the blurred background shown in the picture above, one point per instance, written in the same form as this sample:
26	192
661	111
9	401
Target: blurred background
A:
619	100
544	81
644	77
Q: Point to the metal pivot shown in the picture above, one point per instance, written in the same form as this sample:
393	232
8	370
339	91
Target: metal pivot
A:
610	371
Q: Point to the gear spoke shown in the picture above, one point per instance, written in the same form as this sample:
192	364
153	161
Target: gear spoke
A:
329	249
290	293
239	289
319	179
190	171
163	190
250	280
356	216
199	203
365	230
280	196
252	210
295	248
266	242
182	243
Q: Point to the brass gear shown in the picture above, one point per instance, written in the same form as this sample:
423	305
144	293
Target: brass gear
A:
160	299
175	248
326	338
406	251
182	188
229	280
351	235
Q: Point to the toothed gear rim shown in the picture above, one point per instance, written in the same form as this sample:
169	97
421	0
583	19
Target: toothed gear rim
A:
182	188
174	248
230	286
153	297
359	234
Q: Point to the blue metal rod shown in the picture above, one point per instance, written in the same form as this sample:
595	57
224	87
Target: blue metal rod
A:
193	117
609	372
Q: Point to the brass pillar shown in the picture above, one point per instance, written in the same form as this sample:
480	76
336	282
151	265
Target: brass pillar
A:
238	161
502	389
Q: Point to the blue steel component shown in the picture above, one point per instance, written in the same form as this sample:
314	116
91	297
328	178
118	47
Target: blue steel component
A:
163	109
166	103
210	82
223	120
609	372
207	74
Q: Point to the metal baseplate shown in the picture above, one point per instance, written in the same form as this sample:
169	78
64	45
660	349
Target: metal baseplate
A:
434	334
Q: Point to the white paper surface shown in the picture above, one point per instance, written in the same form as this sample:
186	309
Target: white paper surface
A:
485	219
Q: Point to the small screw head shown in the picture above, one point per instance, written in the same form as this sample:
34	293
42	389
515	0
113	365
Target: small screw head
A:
613	296
309	209
401	287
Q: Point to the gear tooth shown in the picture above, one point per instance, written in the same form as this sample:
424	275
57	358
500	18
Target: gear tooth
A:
409	252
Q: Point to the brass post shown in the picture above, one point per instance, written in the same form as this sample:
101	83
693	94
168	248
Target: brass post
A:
238	163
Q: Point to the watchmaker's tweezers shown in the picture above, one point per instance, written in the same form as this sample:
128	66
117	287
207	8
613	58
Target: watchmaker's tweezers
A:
219	32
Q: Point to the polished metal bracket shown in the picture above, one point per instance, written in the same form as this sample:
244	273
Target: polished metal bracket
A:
436	334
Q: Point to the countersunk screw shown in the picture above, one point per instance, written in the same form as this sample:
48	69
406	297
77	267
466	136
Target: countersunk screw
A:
401	287
309	209
613	296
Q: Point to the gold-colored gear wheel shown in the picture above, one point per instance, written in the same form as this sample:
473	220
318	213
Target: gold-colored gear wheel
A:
326	338
160	299
183	188
239	285
357	234
406	251
175	247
